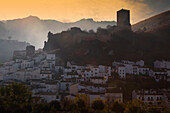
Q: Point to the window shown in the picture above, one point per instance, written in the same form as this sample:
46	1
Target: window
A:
148	98
142	98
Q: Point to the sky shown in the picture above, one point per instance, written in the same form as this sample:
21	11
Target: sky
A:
74	10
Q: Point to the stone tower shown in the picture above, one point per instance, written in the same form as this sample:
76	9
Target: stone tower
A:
123	19
30	50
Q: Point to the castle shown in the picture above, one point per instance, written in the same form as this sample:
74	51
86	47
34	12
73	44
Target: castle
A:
123	19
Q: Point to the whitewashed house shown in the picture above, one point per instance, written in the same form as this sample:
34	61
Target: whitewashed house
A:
135	70
140	63
144	70
51	58
27	64
46	73
152	96
121	70
159	74
65	86
162	64
99	80
128	68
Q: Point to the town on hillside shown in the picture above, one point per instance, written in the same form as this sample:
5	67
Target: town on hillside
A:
51	78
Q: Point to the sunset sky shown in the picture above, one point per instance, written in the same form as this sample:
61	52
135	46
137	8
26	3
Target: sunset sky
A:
73	10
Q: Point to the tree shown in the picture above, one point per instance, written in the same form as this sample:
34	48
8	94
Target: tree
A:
20	110
55	105
136	106
98	105
85	98
117	108
82	103
14	97
2	106
16	93
154	110
68	105
40	108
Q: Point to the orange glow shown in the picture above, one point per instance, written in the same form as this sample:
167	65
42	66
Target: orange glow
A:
71	10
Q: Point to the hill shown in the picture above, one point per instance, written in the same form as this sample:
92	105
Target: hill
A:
34	30
89	48
114	43
155	23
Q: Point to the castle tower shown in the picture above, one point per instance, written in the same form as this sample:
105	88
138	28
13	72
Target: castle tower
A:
123	18
30	50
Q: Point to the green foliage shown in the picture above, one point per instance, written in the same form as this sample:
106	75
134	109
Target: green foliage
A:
16	93
136	106
21	102
98	105
94	48
68	105
136	82
55	105
40	108
117	107
15	98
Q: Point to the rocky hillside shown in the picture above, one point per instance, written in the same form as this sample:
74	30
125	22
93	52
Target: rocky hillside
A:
105	46
155	23
114	43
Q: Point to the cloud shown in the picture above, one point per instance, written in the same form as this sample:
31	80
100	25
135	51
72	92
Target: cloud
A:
155	5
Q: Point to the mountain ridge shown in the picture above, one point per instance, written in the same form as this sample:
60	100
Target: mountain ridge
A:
34	30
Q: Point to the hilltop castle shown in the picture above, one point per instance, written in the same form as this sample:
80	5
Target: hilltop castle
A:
123	19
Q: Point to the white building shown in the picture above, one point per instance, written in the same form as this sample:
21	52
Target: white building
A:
51	58
128	68
135	70
65	86
46	73
162	64
27	64
152	97
99	80
140	63
144	70
121	70
159	74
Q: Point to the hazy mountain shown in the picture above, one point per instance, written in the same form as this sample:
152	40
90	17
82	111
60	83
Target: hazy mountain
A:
8	46
160	21
34	30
